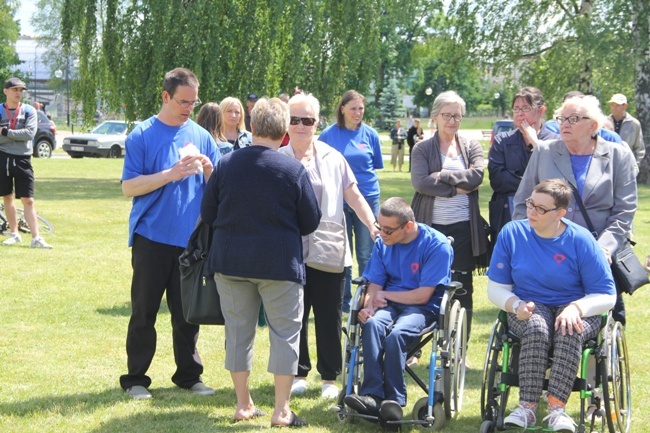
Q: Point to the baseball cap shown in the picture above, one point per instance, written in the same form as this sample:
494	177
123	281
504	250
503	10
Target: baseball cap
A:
619	98
252	97
14	82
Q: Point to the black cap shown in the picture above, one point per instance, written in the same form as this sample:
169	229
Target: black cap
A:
252	97
14	82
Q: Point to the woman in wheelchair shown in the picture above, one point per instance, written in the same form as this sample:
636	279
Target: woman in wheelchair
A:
553	280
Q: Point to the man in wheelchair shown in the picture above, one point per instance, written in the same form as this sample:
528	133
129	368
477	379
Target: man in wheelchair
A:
407	273
554	281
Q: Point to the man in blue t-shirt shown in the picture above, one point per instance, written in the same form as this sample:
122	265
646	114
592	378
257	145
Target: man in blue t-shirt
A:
169	159
407	272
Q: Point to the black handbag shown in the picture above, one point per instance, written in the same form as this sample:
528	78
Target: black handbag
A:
199	295
629	274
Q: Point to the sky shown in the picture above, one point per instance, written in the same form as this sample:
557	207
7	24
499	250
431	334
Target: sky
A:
24	13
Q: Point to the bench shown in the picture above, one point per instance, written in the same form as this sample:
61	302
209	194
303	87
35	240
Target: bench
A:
487	133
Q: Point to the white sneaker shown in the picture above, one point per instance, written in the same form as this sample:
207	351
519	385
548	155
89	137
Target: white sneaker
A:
329	391
40	243
558	420
299	386
521	417
13	239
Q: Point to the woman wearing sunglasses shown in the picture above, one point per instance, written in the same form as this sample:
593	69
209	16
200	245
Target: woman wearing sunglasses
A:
602	172
446	171
333	181
360	146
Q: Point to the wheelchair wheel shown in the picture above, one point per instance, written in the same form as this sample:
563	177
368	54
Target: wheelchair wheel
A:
420	410
487	427
617	390
341	405
492	375
454	372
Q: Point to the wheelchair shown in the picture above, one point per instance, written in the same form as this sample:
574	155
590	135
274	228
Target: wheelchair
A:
446	381
605	398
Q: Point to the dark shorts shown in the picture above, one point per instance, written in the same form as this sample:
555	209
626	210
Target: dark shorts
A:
16	170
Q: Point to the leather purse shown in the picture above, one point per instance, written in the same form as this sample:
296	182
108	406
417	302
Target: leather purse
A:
629	274
199	295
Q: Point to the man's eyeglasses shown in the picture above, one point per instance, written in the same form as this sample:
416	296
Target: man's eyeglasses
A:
307	121
571	119
524	109
447	117
188	104
389	230
540	210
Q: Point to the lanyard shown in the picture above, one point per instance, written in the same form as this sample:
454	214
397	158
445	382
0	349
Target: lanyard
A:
12	120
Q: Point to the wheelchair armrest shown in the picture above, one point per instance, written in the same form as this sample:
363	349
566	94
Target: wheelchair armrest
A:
453	287
359	281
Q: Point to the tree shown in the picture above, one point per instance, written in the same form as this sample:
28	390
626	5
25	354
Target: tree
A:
641	38
390	102
9	29
597	46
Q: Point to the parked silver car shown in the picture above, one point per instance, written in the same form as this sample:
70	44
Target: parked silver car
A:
106	140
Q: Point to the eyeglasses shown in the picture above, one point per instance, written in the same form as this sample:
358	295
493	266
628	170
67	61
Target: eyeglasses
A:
524	109
307	121
389	230
447	117
571	119
540	210
188	104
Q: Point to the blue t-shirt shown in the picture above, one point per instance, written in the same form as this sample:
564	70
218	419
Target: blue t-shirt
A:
362	150
550	271
167	215
423	262
580	167
607	135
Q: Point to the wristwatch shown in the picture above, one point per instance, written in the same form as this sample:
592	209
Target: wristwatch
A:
516	305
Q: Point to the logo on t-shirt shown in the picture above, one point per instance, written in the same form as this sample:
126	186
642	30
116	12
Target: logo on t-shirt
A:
362	146
559	258
415	267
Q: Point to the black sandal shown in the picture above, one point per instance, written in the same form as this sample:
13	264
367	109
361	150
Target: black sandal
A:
295	422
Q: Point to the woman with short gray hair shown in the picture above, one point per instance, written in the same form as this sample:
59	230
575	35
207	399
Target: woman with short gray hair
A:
259	204
446	171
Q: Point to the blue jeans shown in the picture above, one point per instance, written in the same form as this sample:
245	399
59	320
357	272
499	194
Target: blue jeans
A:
363	243
385	337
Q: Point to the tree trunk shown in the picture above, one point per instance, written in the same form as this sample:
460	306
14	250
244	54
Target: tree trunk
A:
641	37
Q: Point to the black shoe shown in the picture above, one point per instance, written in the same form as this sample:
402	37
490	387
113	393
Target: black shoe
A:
363	404
390	410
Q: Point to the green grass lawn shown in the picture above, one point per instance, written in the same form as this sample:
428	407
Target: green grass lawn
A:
65	313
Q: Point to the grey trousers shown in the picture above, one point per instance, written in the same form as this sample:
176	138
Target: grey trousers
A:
283	308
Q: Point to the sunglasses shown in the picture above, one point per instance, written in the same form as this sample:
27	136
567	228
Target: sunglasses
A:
307	121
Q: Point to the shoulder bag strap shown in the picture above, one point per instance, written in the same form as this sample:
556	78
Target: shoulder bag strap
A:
590	226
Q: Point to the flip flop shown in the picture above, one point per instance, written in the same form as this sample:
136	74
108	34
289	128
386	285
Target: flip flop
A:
256	414
295	422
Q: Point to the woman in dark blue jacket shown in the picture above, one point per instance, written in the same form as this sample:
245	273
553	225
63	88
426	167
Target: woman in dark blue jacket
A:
260	203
